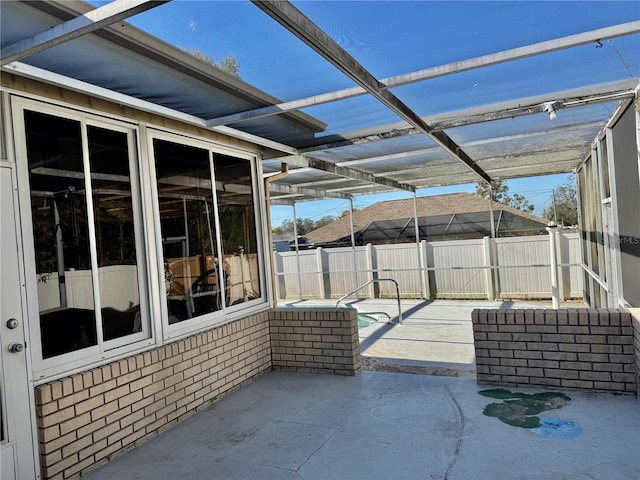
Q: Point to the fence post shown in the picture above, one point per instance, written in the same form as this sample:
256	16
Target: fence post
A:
278	265
424	270
370	272
321	287
561	269
552	228
488	270
353	247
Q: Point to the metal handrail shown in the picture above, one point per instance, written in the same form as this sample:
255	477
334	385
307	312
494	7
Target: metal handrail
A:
369	283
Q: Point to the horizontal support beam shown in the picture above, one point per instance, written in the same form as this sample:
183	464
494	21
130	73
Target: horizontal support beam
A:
288	189
352	173
302	27
579	97
94	20
518	53
356	174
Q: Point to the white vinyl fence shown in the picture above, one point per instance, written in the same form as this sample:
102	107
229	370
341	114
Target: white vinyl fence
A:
514	267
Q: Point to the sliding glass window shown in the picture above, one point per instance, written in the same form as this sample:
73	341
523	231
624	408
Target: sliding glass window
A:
86	246
238	227
208	229
193	285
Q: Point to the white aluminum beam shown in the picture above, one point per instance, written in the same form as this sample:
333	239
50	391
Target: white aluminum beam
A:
302	27
94	20
518	53
287	189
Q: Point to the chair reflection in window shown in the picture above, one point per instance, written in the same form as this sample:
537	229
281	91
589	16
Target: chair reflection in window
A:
202	296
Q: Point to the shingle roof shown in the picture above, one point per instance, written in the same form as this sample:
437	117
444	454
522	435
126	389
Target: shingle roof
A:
449	204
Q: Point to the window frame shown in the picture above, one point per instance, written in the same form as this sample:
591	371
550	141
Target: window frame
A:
121	346
151	281
227	313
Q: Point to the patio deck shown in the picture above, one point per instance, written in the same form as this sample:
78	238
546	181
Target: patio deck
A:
385	424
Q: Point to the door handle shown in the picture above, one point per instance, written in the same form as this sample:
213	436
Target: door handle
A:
15	347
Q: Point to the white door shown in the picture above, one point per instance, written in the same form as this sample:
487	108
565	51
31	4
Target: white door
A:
17	460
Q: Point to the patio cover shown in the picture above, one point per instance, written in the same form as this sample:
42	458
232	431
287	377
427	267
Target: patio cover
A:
426	116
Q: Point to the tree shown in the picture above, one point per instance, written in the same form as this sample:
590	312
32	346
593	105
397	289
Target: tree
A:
326	220
497	192
228	64
564	205
303	225
500	193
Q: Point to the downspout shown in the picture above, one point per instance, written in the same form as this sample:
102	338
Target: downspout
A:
284	171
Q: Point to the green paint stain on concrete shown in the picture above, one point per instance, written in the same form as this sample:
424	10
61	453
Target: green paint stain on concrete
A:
521	409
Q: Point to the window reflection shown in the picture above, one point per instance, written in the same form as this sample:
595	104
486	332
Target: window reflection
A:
61	231
238	228
185	197
115	233
59	213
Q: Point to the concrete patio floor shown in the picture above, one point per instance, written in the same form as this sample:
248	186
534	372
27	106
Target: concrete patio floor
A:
389	423
382	425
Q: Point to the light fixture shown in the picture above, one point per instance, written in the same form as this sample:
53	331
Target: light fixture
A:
551	107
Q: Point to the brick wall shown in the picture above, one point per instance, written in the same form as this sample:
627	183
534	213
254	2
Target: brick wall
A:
635	320
85	419
591	349
323	340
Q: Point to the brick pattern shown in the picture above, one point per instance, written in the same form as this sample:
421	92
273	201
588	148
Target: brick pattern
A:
587	349
321	340
635	320
86	419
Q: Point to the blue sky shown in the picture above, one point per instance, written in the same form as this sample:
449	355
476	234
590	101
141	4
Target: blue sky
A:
391	38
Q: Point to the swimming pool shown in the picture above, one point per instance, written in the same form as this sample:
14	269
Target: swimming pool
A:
364	320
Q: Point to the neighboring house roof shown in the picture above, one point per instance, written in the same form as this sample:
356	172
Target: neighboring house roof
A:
393	220
281	238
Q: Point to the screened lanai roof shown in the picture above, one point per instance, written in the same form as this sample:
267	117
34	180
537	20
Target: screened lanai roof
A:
356	97
443	227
